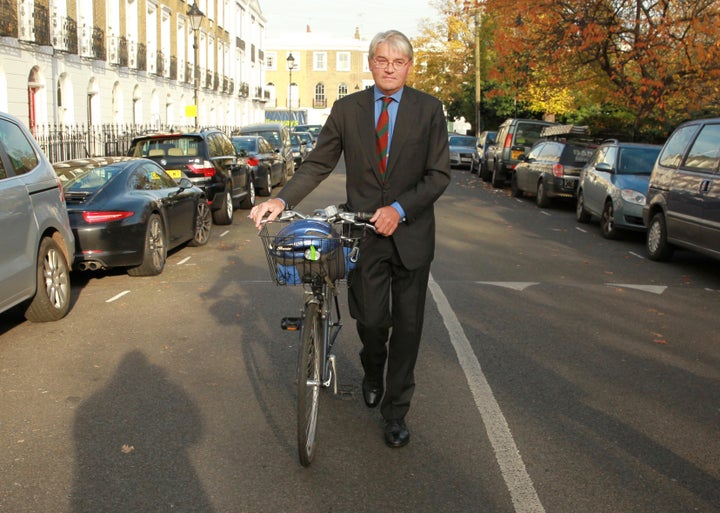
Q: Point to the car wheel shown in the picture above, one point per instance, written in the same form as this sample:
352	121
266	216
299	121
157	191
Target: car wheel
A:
581	215
52	295
514	188
203	224
607	221
658	247
249	200
224	215
155	250
484	172
497	180
267	190
542	199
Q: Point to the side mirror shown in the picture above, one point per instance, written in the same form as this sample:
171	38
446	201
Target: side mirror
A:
185	183
604	166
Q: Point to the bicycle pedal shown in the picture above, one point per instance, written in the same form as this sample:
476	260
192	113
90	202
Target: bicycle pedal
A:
291	323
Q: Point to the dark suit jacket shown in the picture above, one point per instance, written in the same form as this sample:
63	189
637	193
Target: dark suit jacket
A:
418	169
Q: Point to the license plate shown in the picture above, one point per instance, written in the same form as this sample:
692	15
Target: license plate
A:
516	153
174	173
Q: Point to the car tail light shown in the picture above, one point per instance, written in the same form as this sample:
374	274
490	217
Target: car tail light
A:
206	169
105	217
508	140
558	170
252	161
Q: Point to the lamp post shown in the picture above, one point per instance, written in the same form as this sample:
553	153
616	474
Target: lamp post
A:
291	67
196	16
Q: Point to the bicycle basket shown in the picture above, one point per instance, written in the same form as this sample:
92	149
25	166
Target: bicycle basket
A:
303	250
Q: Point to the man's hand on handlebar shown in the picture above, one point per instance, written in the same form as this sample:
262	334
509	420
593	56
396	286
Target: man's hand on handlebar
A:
386	220
272	208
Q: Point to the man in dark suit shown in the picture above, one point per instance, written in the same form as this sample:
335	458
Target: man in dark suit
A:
395	144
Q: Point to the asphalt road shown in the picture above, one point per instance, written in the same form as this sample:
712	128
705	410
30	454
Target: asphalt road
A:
559	373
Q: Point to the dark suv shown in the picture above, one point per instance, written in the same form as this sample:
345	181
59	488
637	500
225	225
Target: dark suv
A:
552	167
683	200
209	160
515	137
38	245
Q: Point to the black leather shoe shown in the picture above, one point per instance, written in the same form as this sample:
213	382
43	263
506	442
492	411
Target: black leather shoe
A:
396	433
372	393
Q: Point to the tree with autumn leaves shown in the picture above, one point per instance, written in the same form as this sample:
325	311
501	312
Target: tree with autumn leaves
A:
633	69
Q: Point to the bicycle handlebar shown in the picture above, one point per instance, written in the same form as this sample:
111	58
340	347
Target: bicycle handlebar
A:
331	214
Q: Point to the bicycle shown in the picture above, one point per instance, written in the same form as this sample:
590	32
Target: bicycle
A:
308	251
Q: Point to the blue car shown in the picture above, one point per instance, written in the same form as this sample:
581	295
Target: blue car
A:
613	186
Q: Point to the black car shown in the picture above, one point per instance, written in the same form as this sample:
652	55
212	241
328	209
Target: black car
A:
208	159
683	200
552	167
278	136
267	166
299	149
128	212
515	137
313	129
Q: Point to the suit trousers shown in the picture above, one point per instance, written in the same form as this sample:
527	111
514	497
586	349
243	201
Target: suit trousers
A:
387	299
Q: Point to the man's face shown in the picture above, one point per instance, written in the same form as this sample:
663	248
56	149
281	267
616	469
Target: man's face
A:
389	69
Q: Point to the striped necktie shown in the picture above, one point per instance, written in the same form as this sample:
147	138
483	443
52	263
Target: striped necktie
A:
382	132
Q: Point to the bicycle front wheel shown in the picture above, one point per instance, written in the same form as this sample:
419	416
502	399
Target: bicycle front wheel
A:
308	383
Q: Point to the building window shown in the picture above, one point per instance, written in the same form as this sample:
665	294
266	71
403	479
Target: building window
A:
342	90
320	61
366	65
343	61
271	61
319	101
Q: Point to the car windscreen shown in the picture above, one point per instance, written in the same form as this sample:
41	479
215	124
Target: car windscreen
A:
87	179
636	161
168	147
248	145
272	137
468	142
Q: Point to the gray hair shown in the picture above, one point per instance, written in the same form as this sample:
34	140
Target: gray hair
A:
394	39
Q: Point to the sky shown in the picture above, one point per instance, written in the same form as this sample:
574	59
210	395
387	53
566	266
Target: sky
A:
340	17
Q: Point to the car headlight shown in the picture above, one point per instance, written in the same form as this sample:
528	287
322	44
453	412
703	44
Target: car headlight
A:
631	196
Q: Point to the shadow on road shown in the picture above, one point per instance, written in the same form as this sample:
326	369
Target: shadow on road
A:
132	438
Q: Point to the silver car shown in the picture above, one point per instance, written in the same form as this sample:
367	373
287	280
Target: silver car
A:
613	186
35	257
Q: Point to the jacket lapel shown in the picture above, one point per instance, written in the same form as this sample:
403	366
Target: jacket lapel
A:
404	124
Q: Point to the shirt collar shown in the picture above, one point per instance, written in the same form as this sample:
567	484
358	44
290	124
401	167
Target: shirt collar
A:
395	96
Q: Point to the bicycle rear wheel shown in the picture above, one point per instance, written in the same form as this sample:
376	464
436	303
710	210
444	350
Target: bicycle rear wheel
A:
308	383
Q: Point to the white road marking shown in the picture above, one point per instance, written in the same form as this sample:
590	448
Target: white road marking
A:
636	255
181	262
515	285
546	213
581	229
223	234
518	482
655	289
118	296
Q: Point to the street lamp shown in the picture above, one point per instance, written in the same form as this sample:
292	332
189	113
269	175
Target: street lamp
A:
291	67
196	16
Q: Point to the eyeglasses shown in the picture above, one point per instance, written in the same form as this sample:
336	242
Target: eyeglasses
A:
383	63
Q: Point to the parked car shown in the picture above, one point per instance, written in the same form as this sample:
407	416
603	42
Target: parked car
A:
308	138
485	140
299	149
683	201
613	186
278	136
552	167
38	244
515	137
266	165
128	212
463	151
208	159
313	129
